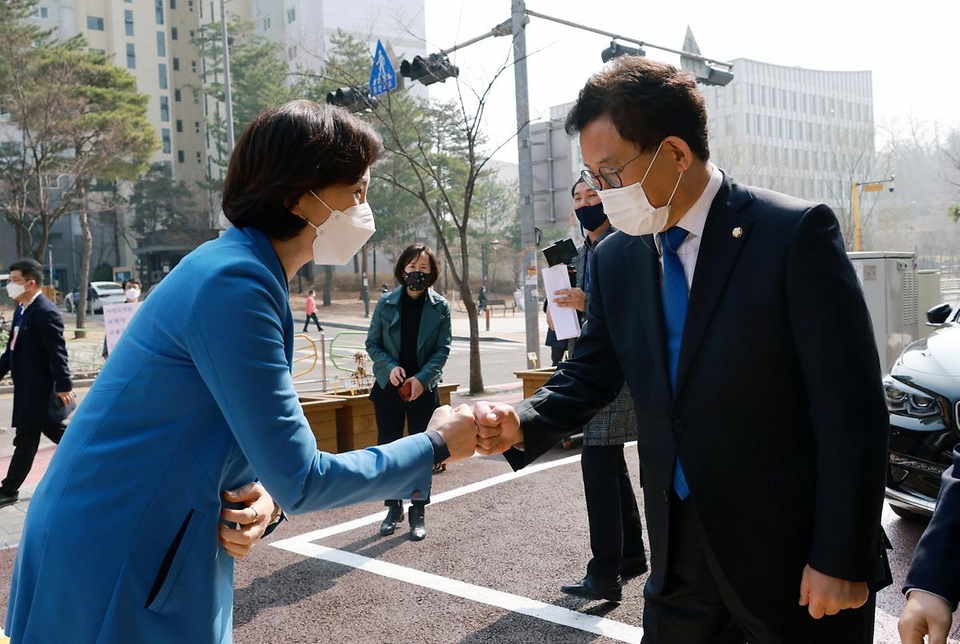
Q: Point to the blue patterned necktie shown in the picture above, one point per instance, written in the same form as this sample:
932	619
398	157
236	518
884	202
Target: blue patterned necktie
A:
674	314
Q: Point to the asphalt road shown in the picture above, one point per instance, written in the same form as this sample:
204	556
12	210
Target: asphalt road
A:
498	548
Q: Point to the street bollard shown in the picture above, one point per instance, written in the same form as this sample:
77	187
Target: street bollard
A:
486	313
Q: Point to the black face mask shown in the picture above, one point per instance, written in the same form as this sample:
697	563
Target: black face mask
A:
416	281
591	217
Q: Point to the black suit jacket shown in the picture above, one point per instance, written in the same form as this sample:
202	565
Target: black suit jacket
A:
936	561
779	417
38	364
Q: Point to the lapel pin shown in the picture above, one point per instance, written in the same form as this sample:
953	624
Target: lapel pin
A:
737	232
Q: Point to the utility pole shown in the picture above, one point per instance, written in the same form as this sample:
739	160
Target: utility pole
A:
227	98
531	309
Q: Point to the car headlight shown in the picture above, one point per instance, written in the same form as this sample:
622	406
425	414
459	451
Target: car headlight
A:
907	401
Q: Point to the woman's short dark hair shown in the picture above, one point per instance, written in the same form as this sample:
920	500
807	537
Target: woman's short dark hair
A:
647	101
411	253
287	151
30	269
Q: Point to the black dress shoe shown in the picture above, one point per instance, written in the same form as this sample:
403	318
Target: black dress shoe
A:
418	529
392	520
632	567
8	499
594	587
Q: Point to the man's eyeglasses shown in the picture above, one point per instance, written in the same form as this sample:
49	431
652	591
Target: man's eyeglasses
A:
610	176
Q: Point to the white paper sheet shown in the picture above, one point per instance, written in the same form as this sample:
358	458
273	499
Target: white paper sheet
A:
566	323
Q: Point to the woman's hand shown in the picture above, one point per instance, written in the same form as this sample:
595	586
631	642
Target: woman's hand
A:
251	520
397	376
416	388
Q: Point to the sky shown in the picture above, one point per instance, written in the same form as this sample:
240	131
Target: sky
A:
911	49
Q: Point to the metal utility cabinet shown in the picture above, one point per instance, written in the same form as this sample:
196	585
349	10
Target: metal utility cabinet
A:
889	282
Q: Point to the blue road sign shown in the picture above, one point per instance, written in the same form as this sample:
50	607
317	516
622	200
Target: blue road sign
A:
383	78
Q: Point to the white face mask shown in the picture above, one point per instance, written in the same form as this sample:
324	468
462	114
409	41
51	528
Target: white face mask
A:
342	234
629	210
15	290
132	294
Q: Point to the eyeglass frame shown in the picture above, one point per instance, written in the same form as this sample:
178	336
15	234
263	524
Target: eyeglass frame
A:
606	173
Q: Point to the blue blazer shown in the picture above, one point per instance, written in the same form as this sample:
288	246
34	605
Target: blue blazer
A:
433	340
120	542
38	364
778	412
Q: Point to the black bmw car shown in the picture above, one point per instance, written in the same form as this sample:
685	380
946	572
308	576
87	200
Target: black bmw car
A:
923	397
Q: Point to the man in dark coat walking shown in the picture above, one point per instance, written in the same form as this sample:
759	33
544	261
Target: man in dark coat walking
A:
36	357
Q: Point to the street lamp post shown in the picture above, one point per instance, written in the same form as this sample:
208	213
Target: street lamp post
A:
855	188
485	258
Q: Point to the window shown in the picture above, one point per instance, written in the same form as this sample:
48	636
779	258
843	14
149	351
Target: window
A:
190	6
730	125
196	127
128	22
199	157
131	56
94	23
173	33
165	138
161	44
164	109
162	71
173	4
176	96
159	12
180	156
43	12
291	15
179	125
176	64
266	23
193	66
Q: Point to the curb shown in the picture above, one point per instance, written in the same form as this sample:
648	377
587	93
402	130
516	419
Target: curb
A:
463	338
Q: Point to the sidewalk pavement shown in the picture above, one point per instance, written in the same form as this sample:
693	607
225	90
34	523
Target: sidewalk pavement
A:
503	328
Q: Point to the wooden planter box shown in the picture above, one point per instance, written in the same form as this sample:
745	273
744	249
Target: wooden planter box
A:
533	379
356	422
321	413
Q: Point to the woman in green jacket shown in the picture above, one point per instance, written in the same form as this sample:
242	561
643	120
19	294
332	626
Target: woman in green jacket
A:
409	342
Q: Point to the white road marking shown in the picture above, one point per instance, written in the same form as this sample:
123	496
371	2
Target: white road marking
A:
303	545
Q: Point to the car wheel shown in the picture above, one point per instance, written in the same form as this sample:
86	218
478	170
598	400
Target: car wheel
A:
909	515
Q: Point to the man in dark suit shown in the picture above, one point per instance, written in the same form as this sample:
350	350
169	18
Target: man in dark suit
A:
933	583
736	319
36	357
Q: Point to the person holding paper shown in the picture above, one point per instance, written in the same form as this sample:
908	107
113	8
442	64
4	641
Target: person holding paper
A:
131	292
737	319
616	532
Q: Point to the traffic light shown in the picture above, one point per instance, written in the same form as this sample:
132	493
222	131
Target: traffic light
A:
353	99
434	68
617	49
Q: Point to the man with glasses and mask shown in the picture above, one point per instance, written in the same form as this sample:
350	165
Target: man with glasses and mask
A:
736	319
36	357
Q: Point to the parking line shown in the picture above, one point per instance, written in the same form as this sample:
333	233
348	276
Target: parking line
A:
498	599
303	545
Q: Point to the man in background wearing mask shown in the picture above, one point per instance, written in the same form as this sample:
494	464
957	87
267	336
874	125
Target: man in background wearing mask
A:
737	320
616	532
36	357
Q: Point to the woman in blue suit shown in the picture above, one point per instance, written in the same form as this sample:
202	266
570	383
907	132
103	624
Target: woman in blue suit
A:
409	342
121	540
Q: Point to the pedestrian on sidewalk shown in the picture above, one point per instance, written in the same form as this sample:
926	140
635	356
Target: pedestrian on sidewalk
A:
616	532
36	357
131	293
129	537
409	342
311	311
